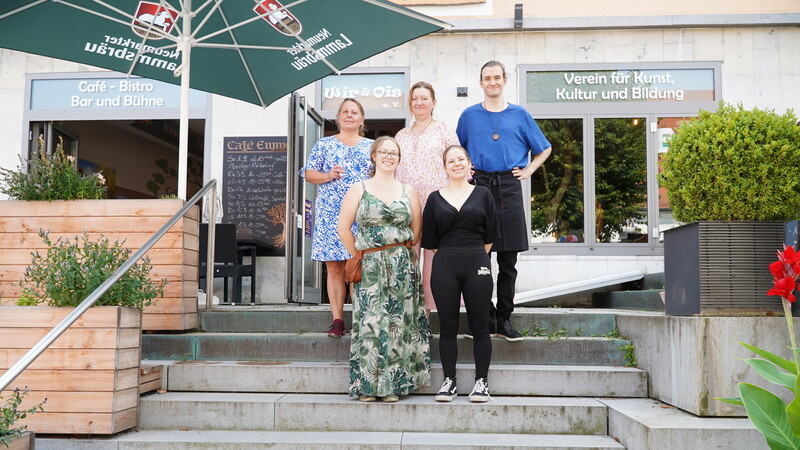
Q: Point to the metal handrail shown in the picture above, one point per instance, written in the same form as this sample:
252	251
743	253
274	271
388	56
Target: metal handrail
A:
59	329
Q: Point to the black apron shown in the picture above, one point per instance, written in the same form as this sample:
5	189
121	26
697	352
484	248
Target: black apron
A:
507	193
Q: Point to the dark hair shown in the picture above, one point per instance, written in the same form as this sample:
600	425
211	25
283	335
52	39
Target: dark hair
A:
422	85
376	145
362	129
453	147
493	63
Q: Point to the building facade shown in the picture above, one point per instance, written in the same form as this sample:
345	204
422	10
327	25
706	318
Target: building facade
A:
607	83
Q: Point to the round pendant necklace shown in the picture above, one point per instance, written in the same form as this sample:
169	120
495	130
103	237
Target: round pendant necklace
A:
495	134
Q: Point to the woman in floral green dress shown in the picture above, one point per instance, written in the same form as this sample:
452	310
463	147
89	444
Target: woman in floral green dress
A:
389	350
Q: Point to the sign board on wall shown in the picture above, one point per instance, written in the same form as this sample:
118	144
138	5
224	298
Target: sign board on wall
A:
107	93
623	85
254	188
375	91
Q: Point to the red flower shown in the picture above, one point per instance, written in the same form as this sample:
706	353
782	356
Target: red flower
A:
777	270
784	287
789	256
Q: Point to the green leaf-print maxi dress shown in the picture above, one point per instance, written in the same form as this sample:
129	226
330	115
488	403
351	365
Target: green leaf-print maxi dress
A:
390	344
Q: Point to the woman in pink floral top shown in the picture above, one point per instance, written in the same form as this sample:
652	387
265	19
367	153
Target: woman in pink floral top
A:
422	145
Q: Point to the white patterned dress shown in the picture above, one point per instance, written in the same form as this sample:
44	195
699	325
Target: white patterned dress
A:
327	153
421	162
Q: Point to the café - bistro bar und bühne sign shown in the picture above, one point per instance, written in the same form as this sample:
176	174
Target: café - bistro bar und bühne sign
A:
107	93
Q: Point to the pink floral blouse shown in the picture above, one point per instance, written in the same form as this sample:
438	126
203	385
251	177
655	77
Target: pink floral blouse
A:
421	161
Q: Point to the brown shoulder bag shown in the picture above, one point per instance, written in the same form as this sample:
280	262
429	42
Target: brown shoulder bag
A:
352	267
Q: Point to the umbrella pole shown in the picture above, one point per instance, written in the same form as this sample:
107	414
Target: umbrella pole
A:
183	140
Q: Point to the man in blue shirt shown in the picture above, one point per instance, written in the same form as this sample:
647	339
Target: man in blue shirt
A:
500	137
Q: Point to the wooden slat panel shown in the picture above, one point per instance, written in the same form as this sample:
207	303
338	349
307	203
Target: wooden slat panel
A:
150	377
23	256
78	380
173	289
81	423
118	207
174	256
150	386
82	402
39	316
32	241
107	225
172	306
72	338
191	242
78	359
169	321
15	273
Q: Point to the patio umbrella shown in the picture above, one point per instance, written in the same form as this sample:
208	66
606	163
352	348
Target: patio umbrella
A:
252	50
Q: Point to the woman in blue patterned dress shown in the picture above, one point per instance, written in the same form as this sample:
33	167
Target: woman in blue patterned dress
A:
389	349
334	163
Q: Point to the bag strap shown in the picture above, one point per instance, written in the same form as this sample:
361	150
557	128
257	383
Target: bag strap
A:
407	244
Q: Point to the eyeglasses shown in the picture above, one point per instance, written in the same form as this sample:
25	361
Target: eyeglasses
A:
385	154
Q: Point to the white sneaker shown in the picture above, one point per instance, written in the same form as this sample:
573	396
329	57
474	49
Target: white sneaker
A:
448	391
480	393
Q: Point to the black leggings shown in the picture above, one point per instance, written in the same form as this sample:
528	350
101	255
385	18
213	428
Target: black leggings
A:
454	274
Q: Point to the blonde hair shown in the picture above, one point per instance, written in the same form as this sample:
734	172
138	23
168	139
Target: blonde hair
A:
421	85
361	129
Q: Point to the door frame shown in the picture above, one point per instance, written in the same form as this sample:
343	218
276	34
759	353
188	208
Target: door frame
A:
301	116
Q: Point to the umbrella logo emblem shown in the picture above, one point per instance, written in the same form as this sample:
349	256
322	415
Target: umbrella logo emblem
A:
279	17
153	21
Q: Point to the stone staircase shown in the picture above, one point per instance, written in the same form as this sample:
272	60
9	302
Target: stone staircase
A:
646	294
265	377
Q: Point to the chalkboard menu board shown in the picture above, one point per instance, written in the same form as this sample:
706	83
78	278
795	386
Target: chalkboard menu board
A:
254	190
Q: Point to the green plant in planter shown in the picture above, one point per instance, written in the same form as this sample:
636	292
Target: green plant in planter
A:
778	421
734	164
51	177
10	413
71	270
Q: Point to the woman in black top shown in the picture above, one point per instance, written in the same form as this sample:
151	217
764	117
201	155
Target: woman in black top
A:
459	225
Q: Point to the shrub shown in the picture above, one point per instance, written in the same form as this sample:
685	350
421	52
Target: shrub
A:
10	413
734	164
51	177
71	270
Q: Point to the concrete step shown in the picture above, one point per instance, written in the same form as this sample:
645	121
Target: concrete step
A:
584	351
332	378
336	412
645	424
316	319
646	300
653	281
338	440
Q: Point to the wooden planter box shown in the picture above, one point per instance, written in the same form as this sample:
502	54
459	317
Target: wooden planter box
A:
89	375
24	442
174	256
721	267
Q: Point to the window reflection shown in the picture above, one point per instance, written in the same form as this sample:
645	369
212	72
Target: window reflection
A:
666	128
621	180
557	186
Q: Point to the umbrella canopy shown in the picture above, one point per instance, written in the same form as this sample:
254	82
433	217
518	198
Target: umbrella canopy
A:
252	50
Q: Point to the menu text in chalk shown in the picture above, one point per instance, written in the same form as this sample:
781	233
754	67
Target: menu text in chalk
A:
254	188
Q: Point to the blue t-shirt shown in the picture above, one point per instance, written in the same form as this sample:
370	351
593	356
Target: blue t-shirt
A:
518	132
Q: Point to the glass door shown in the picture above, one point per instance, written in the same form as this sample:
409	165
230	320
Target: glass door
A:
303	276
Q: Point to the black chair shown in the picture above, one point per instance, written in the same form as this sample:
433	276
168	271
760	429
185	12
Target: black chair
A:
228	261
